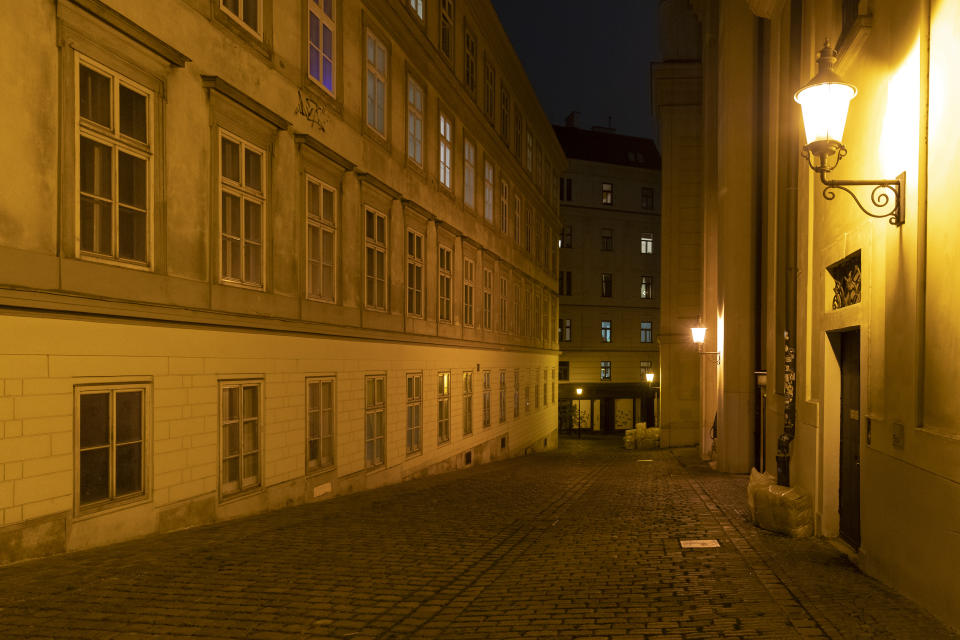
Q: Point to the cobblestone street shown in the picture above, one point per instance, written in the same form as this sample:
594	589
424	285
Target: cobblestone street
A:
582	542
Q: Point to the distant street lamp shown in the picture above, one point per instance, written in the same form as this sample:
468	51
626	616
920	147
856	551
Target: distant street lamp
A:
579	411
824	102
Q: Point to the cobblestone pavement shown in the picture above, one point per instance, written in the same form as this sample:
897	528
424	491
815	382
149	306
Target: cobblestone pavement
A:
582	542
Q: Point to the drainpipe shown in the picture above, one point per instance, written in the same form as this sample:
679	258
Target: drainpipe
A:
791	156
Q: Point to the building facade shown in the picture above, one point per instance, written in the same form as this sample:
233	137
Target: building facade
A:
836	331
609	279
256	253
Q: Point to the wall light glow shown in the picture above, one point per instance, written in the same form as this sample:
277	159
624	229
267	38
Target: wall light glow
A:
899	139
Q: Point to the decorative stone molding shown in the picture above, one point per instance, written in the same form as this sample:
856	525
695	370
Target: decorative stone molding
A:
846	281
765	8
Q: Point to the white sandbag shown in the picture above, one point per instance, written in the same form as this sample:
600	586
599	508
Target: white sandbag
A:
786	510
757	482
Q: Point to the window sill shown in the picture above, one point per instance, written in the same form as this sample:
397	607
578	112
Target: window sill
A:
236	496
109	506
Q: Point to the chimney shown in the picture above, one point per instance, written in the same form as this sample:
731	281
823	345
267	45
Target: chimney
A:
571	119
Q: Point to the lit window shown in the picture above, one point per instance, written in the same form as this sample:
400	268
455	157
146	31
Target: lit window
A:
246	12
646	332
242	202
488	191
646	243
446	151
606	331
376	84
415	5
605	370
443	407
445	284
321	241
320	416
414	121
446	27
115	158
645	366
469	173
646	287
566	330
240	416
487	299
606	239
414	273
470	62
468	269
606	285
375	421
321	45
414	413
111	423
375	244
606	193
646	198
467	403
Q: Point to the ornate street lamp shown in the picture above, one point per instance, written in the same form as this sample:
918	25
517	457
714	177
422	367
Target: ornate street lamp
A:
649	377
824	102
699	334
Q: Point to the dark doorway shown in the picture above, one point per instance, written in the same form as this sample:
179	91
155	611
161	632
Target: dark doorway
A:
850	437
607	414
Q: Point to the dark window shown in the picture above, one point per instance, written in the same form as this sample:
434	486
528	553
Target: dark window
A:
606	285
566	330
564	371
566	237
565	283
646	198
606	239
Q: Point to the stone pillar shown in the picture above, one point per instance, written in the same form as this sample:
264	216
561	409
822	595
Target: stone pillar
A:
351	243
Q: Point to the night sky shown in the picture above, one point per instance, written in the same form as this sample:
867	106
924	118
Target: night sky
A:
592	57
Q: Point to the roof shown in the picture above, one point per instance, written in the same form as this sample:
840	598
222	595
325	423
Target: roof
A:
612	148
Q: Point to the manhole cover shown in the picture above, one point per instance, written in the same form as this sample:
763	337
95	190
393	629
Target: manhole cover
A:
699	544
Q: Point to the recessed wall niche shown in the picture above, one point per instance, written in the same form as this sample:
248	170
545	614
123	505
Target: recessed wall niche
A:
846	281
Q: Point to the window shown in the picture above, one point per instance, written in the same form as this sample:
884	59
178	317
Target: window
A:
526	398
446	28
553	386
242	203
246	12
503	395
376	84
606	285
321	241
486	398
645	366
566	236
376	260
414	121
417	7
646	332
487	299
469	174
115	158
517	208
566	330
605	370
504	207
544	387
489	90
504	113
320	43
564	370
468	269
446	151
375	421
320	416
414	413
606	239
646	287
488	191
467	403
529	164
528	230
445	284
606	193
646	198
606	331
240	436
646	243
414	273
502	317
517	322
517	134
516	393
443	407
566	189
536	389
110	423
470	63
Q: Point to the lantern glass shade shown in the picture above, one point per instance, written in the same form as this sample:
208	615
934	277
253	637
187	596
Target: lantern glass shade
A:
650	378
824	106
699	333
579	391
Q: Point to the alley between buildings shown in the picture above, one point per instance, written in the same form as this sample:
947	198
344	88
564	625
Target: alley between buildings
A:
581	542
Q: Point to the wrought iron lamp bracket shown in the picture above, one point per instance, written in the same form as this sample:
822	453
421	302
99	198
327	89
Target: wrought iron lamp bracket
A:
886	197
715	354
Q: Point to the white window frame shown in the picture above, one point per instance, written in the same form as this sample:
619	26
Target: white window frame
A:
375	98
112	500
414	413
247	446
606	331
443	407
415	109
488	190
445	284
238	17
415	267
315	50
446	151
325	226
646	243
468	403
469	275
375	283
487	302
374	420
321	423
118	143
417	7
646	332
246	194
565	330
469	174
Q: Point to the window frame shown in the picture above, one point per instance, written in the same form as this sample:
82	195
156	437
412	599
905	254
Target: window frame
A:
443	407
469	288
646	243
415	117
314	7
373	407
489	89
606	331
415	266
606	285
469	174
446	149
489	189
446	27
471	54
606	370
606	194
565	330
606	239
503	313
563	370
502	395
378	247
414	432
487	300
240	189
323	226
646	331
444	284
467	412
242	489
647	198
416	7
258	33
516	393
379	76
319	466
646	287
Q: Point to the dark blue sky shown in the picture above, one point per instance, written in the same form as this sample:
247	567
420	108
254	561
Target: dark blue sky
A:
592	57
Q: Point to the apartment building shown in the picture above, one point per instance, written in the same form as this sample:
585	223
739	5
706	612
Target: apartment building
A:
256	253
609	278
